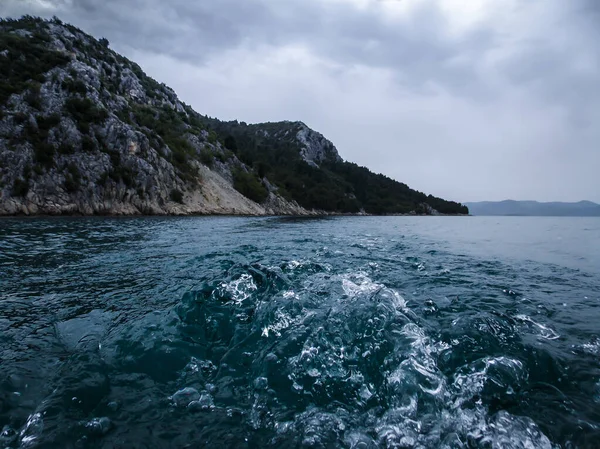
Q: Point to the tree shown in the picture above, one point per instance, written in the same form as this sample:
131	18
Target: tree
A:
230	143
104	42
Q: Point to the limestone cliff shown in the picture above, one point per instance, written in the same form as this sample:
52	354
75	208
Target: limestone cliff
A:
85	131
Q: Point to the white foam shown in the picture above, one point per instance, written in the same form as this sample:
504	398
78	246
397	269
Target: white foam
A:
359	284
592	347
32	431
543	331
240	289
471	380
282	321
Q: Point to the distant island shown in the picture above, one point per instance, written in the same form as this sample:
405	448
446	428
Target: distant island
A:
535	208
84	130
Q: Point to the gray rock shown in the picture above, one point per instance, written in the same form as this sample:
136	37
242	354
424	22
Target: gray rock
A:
113	166
315	147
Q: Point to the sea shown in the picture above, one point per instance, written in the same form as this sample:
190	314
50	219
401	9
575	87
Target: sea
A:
271	332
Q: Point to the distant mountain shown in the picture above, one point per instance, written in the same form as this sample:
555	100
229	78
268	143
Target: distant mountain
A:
83	130
534	208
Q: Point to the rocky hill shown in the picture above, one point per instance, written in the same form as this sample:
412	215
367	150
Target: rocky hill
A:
84	130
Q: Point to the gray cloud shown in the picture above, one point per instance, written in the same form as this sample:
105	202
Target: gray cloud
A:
504	105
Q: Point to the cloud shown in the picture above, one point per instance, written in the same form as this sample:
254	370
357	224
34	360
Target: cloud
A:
466	100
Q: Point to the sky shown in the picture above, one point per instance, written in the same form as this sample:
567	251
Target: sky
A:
468	100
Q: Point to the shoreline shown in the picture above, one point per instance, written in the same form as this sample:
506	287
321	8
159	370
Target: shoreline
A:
195	215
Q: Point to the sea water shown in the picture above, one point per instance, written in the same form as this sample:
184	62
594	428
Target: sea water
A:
356	332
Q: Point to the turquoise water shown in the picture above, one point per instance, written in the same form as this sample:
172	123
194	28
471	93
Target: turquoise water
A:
408	332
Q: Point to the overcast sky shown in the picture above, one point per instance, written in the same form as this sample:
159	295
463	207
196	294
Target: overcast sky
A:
465	99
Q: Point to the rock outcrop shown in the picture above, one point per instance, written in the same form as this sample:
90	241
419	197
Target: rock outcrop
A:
315	147
90	133
83	130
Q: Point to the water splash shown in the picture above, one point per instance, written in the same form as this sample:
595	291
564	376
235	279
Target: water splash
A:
337	342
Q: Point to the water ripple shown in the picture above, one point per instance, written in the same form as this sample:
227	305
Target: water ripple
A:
226	332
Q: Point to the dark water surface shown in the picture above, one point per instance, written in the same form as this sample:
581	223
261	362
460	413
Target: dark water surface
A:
358	332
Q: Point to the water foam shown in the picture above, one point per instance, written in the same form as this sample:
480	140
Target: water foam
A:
541	330
421	408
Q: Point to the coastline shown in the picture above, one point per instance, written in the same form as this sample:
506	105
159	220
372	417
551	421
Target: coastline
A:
312	214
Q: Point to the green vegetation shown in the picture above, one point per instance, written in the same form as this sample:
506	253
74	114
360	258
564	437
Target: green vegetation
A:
225	156
177	196
45	123
72	178
32	96
230	143
122	174
273	151
249	185
119	173
88	144
44	154
85	113
37	135
26	58
74	86
207	157
171	127
20	187
65	148
268	150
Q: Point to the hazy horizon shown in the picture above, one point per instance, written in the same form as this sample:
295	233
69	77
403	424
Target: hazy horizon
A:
468	101
533	201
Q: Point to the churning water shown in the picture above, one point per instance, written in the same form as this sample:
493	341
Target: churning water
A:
360	332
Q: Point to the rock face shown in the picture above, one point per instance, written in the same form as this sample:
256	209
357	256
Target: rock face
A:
315	147
85	131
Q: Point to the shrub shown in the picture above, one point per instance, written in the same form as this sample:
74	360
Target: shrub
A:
127	176
179	157
74	86
32	97
101	181
123	115
65	148
20	118
224	156
28	60
115	158
145	116
179	144
88	144
85	113
122	174
20	187
44	154
249	186
72	178
212	137
207	157
48	122
176	195
230	143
